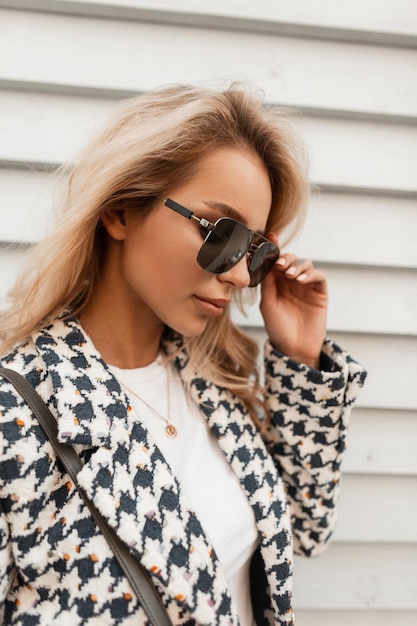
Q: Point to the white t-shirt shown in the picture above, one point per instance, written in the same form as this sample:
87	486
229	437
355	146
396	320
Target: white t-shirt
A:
212	488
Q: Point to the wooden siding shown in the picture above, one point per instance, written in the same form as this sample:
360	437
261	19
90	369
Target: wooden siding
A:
350	69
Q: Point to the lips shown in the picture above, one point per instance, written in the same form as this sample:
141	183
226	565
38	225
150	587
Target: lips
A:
212	307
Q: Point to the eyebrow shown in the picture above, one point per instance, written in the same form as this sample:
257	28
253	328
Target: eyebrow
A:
229	211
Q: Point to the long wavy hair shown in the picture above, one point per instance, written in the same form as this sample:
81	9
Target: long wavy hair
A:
151	143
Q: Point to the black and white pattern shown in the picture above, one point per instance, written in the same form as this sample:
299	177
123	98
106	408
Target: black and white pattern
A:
56	568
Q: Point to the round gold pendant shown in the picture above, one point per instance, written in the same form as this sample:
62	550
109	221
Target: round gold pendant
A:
170	431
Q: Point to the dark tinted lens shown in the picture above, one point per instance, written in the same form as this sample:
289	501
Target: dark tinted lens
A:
224	246
262	261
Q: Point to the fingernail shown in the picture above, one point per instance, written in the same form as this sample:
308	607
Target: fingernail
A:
291	271
301	277
281	261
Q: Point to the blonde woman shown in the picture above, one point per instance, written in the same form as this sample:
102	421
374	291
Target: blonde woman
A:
121	322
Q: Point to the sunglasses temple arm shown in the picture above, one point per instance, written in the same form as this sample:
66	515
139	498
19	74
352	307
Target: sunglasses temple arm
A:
178	208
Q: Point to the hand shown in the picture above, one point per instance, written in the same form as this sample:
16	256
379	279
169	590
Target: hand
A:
294	308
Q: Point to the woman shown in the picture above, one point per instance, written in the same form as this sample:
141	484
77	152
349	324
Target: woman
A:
121	322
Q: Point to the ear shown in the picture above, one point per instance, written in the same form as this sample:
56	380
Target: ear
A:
115	224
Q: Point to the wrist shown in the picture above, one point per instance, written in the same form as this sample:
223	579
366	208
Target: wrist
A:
302	359
314	363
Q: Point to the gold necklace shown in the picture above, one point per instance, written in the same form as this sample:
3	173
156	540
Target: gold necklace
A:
169	429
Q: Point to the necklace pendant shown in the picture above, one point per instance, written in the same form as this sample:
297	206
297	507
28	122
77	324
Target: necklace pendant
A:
170	431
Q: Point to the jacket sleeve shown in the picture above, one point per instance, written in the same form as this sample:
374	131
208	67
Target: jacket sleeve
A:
306	436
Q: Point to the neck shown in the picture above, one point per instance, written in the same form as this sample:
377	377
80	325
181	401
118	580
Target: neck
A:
127	337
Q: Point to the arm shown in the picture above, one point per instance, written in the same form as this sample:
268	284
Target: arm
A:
309	394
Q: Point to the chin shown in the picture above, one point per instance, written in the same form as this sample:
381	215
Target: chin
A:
190	330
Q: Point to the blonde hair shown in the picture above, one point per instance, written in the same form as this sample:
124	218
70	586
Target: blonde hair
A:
150	144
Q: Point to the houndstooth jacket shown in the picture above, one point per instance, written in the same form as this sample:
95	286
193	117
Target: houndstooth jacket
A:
56	567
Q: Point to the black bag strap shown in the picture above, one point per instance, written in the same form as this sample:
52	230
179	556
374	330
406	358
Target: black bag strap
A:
135	573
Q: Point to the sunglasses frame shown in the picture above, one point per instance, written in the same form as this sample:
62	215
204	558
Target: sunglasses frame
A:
209	226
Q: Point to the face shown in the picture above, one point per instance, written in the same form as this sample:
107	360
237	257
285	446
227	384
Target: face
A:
158	266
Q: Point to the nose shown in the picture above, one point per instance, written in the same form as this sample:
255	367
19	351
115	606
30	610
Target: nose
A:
238	276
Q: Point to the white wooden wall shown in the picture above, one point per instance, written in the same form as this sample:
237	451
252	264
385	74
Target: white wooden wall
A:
351	69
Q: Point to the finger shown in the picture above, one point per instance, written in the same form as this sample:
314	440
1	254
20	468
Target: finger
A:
314	277
293	267
285	261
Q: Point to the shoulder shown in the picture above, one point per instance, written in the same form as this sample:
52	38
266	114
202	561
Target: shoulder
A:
45	348
14	411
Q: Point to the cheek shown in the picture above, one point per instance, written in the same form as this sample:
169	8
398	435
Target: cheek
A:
163	260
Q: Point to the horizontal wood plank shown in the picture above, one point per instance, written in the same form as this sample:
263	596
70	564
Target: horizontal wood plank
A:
314	18
368	513
357	618
382	442
298	72
26	200
364	154
370	230
48	128
351	576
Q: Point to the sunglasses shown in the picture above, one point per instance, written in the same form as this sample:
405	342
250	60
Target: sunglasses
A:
227	241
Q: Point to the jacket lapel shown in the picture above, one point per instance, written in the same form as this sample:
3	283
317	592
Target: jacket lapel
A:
128	478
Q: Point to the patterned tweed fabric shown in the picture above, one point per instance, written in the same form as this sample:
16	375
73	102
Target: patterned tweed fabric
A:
56	567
